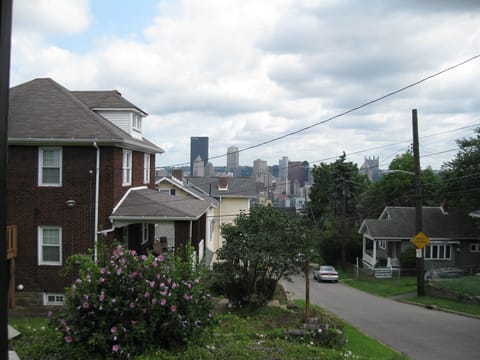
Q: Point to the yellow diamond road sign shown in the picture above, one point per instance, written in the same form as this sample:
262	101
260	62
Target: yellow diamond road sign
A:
420	240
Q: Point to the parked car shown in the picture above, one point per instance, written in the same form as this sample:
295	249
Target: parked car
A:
325	273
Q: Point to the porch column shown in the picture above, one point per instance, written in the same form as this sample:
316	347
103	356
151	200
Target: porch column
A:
364	246
374	252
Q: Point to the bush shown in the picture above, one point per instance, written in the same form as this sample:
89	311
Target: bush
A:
134	303
408	259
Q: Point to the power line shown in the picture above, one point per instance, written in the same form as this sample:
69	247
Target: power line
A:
392	93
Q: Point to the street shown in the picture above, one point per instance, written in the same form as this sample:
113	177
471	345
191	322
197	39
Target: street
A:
420	333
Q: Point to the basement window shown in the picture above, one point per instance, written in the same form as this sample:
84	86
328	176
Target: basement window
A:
53	299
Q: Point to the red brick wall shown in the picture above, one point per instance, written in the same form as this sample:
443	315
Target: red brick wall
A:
30	206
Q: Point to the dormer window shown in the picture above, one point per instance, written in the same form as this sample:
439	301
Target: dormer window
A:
136	122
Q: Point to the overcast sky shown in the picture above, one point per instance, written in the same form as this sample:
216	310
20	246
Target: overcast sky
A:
245	72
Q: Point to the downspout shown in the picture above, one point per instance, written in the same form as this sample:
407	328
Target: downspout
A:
97	190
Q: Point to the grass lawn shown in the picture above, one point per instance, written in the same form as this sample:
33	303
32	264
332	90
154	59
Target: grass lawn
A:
446	304
382	287
237	335
469	285
390	287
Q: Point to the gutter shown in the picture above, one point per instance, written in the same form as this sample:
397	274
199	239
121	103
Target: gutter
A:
97	191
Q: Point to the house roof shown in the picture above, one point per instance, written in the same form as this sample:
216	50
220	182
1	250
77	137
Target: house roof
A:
42	111
110	99
152	206
399	222
188	188
239	187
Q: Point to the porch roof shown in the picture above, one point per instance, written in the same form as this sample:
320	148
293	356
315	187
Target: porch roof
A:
399	222
147	205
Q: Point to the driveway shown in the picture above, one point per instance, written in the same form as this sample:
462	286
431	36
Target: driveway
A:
413	330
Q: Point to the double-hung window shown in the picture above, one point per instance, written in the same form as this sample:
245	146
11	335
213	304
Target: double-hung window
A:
146	168
49	245
127	167
137	122
50	166
438	252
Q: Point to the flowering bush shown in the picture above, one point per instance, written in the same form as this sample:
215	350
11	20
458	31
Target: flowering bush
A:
134	302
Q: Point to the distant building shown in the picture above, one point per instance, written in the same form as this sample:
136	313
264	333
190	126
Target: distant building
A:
198	167
198	147
232	159
370	167
283	168
261	173
298	174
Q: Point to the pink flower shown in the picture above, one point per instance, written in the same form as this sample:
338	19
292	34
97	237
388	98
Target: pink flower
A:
113	329
132	304
173	308
197	280
101	280
147	294
160	258
152	284
78	281
154	301
50	313
85	305
103	270
154	264
144	257
119	271
68	339
163	302
115	348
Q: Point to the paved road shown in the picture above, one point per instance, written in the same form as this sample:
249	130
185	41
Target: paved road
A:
418	332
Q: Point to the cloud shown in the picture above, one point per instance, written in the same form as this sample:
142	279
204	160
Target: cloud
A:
246	72
52	17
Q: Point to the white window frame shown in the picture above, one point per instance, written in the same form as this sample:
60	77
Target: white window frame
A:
136	122
41	166
440	252
58	299
145	233
382	244
41	261
475	247
146	168
127	167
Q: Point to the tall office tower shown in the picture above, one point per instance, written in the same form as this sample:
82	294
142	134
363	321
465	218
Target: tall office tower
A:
232	159
261	172
283	168
198	147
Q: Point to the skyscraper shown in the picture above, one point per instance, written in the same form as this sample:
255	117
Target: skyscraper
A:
198	147
232	159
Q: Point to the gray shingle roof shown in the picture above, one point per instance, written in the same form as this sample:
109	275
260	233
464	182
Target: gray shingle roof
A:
153	205
43	111
399	222
110	99
237	186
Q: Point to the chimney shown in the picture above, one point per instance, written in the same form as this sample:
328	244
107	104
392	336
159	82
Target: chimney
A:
223	183
177	173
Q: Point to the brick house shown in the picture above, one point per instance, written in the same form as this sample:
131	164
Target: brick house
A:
72	156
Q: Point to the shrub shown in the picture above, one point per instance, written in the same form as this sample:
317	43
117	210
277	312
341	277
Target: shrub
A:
408	259
134	303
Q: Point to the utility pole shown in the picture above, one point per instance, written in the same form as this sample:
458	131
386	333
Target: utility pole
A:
418	205
5	36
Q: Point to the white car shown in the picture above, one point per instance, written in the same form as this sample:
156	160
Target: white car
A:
325	273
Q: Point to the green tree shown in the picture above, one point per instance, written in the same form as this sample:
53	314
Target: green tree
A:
260	248
396	187
335	204
460	176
